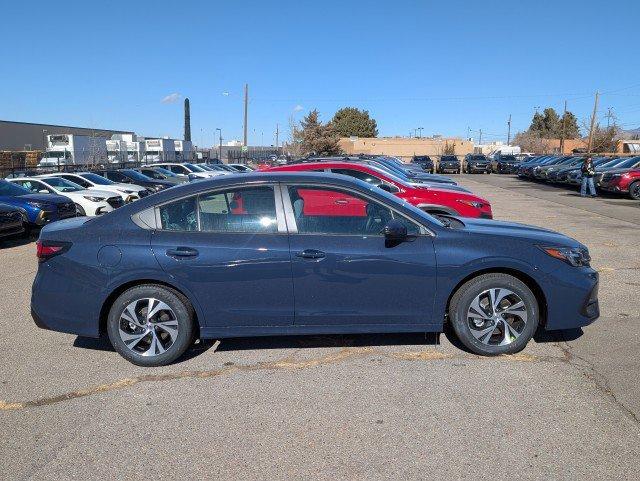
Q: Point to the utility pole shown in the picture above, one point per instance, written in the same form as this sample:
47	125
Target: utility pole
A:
480	138
509	130
564	128
609	116
246	111
277	134
593	122
220	145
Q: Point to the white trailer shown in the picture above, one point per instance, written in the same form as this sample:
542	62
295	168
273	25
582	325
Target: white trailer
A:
68	149
159	150
116	151
184	150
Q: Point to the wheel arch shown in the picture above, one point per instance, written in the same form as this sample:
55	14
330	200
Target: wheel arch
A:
440	209
529	281
110	299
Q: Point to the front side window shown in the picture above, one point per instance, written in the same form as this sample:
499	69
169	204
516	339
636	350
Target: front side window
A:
33	186
326	210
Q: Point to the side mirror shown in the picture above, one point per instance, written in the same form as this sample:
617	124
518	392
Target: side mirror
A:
395	231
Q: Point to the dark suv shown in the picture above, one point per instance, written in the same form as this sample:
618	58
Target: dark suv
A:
449	163
477	163
425	162
505	164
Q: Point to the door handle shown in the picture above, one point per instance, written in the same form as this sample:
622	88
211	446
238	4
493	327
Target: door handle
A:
182	252
311	254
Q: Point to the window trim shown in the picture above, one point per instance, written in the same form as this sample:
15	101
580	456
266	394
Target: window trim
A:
291	218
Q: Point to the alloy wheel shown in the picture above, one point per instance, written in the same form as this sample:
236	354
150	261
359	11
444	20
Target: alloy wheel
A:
148	327
497	317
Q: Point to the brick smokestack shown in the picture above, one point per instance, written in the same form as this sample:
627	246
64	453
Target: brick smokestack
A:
187	120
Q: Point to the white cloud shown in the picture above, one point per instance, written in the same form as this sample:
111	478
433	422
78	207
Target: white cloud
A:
298	108
171	98
226	94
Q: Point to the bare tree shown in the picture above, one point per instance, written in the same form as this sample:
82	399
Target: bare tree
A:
293	147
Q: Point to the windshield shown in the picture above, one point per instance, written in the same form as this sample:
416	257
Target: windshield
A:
96	179
132	174
61	184
164	171
478	157
7	188
449	158
508	158
195	168
628	163
393	178
389	168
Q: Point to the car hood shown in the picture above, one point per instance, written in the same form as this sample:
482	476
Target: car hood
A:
537	235
132	187
425	185
95	193
44	198
433	178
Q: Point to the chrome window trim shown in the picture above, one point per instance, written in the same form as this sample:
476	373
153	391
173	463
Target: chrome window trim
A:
291	221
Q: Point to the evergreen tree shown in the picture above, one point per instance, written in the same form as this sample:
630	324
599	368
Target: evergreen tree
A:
571	128
316	137
350	121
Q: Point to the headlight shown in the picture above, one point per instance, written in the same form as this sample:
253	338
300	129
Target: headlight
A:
574	256
127	191
472	203
93	199
158	187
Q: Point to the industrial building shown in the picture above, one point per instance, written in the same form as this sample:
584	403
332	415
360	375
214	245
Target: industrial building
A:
20	136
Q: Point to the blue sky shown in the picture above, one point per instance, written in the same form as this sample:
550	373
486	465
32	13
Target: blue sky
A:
444	66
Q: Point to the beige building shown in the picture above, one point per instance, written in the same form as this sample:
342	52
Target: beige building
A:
404	147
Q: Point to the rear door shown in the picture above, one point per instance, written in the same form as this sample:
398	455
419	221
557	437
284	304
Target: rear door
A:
230	248
344	273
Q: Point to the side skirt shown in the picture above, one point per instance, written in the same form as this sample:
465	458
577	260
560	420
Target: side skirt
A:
251	331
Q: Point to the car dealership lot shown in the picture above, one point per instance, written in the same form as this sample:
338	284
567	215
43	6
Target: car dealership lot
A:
375	406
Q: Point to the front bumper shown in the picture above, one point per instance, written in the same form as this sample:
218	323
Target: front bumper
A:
573	300
478	168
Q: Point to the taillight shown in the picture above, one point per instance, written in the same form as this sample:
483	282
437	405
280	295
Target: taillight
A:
45	250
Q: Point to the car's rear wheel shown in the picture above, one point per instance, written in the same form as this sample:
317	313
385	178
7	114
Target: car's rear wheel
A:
634	190
151	325
494	314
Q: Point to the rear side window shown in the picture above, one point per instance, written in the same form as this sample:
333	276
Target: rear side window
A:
240	210
244	210
180	215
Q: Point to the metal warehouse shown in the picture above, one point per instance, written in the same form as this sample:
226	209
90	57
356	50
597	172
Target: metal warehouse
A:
19	136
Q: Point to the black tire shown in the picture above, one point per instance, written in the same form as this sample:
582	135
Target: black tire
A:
467	293
184	315
80	211
634	190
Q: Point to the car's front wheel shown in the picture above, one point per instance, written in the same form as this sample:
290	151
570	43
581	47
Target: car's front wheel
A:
494	314
151	325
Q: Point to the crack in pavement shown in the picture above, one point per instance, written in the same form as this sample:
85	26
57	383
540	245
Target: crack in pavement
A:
281	364
589	371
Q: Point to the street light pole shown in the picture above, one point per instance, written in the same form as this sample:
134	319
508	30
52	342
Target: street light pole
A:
220	145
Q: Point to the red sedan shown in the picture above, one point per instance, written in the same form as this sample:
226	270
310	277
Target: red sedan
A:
429	199
622	182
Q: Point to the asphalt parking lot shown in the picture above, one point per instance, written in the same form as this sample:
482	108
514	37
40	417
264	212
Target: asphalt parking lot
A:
341	407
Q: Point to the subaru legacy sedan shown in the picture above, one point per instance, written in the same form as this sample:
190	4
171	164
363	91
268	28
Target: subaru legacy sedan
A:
302	253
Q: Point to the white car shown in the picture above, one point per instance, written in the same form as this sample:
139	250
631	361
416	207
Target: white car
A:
88	202
91	181
190	171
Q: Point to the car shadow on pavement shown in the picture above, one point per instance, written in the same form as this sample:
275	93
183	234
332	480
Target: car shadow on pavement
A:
329	340
103	344
16	241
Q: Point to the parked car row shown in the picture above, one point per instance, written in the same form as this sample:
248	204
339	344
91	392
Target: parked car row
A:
38	199
620	175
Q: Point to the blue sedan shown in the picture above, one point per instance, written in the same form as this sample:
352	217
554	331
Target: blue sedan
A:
302	253
37	209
